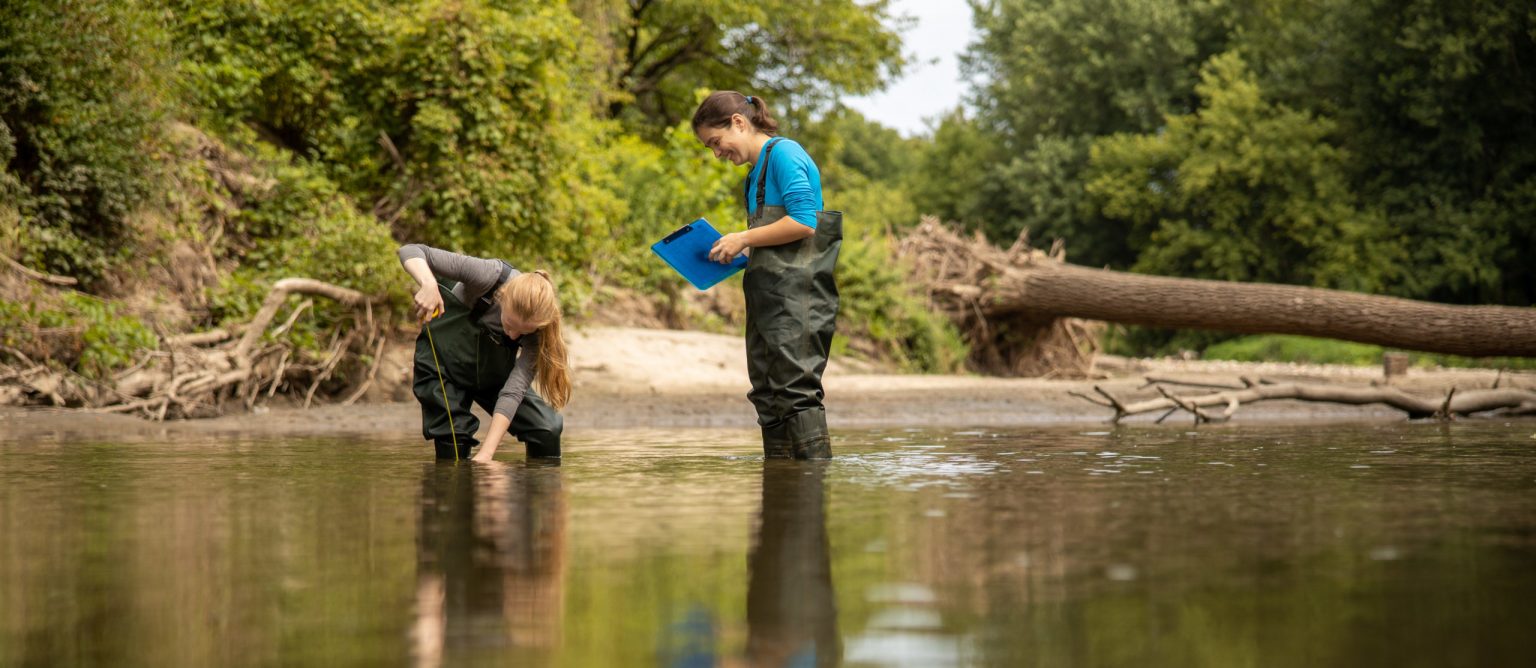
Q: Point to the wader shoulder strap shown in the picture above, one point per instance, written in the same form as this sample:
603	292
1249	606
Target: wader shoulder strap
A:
486	300
762	175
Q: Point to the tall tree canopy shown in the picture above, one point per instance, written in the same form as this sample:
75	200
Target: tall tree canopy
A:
802	56
1376	145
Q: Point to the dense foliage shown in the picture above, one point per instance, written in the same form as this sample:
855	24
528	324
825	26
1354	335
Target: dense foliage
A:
310	138
1384	145
802	56
81	111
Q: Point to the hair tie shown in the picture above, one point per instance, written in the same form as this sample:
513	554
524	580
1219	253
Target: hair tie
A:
749	99
545	274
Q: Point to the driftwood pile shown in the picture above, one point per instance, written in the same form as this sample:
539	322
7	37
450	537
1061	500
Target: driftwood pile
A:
959	271
201	374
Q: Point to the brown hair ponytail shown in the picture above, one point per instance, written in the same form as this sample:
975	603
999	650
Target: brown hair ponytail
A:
532	295
716	111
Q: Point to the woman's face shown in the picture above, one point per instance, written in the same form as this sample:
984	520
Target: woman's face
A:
515	325
732	142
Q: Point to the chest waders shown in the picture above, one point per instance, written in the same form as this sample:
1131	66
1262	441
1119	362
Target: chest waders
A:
475	368
791	293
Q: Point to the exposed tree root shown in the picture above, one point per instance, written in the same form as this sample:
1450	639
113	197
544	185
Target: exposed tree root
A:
196	374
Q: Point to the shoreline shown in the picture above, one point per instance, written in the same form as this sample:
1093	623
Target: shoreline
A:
629	378
620	412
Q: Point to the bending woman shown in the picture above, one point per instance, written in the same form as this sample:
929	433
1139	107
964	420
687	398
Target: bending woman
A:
790	282
495	331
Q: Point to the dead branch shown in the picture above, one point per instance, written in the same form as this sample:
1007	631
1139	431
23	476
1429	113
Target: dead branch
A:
279	293
1453	404
1160	380
38	276
199	338
277	376
293	317
329	366
373	370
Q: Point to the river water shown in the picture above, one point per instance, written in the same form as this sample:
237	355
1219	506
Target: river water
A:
1386	544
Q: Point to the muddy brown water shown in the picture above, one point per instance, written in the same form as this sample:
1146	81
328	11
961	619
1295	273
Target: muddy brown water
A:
1387	544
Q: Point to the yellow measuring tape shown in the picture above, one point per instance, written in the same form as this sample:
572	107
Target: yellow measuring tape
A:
446	404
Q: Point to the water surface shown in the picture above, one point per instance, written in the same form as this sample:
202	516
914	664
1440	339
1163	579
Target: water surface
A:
1378	544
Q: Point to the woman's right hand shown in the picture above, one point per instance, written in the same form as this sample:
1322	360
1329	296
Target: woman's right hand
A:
428	302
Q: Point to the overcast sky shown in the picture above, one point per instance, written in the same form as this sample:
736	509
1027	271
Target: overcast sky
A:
931	84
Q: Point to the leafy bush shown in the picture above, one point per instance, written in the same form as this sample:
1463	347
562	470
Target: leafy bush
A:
661	187
1305	349
305	227
1289	348
74	331
880	305
1240	191
80	114
463	124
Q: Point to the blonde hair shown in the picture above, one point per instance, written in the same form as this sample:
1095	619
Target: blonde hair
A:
532	296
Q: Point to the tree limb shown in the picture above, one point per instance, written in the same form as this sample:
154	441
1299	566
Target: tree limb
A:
38	276
1453	404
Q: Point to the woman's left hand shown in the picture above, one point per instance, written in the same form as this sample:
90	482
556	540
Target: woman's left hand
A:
728	247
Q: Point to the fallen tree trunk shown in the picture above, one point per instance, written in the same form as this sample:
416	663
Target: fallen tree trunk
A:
1513	401
984	287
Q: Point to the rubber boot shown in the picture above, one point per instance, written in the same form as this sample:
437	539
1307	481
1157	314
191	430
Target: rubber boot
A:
808	434
444	448
776	441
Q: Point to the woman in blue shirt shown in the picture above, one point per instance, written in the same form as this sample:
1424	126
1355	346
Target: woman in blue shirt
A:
790	282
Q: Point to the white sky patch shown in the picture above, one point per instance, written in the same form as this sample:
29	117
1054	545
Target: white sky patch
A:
931	84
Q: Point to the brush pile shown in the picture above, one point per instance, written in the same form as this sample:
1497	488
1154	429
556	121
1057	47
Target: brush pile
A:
961	274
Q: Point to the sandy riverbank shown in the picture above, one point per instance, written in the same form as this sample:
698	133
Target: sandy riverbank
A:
627	378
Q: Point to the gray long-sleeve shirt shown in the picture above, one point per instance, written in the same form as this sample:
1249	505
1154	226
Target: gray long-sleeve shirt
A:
473	277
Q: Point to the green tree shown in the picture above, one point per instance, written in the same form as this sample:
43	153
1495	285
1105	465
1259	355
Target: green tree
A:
465	123
662	187
951	168
1053	75
81	107
1242	190
801	56
852	150
1443	117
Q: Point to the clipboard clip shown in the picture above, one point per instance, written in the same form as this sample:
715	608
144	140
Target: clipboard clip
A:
680	232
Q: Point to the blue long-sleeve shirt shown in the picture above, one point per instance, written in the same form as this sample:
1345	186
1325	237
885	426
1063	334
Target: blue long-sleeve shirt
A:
794	182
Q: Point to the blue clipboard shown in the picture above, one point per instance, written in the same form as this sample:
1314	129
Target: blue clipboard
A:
687	250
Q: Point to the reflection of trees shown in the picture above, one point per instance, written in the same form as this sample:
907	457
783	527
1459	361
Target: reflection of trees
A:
490	562
790	608
1285	556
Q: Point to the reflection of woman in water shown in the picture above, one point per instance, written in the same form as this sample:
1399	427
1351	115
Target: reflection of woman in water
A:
490	564
791	613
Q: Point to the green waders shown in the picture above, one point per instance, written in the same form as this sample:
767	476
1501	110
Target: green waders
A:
791	293
474	370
